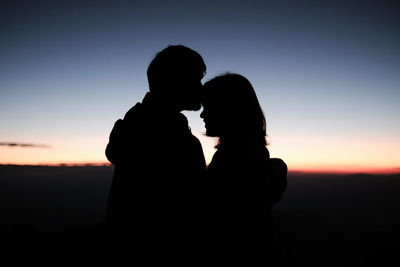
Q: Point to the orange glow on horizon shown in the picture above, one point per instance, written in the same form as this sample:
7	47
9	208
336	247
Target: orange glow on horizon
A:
307	154
348	170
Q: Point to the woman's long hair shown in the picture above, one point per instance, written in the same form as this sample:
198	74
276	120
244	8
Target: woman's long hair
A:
233	95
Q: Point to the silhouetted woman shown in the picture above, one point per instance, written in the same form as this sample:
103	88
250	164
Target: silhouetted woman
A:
244	182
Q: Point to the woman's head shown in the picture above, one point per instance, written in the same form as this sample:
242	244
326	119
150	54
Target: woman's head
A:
231	109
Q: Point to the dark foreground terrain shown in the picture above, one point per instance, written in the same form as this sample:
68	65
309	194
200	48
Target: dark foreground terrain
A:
55	216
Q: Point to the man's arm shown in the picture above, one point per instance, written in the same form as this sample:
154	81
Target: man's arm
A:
113	150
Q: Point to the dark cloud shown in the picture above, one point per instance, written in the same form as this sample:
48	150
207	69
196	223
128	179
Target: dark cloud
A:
12	144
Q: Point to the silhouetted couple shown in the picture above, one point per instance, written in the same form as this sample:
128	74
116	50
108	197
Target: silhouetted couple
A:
164	206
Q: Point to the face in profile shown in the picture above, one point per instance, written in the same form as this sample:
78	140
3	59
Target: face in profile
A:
214	117
175	75
209	116
231	108
188	91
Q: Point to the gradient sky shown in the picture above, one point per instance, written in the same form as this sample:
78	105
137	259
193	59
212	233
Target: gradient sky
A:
327	74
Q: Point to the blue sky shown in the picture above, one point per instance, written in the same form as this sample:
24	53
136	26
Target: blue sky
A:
327	73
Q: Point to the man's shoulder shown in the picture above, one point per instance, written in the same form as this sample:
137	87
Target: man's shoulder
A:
133	112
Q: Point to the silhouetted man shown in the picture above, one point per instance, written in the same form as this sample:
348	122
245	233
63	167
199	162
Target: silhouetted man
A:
153	208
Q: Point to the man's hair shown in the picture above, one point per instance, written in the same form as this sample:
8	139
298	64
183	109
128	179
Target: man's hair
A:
173	62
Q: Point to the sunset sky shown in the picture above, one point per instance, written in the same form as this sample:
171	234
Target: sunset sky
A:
327	74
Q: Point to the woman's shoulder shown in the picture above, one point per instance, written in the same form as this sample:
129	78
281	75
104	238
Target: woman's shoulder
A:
277	164
239	158
253	154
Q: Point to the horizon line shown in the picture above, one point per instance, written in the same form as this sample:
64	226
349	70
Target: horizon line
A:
307	170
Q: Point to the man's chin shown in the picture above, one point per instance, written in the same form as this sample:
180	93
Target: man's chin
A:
211	133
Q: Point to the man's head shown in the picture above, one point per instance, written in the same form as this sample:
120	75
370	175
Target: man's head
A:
175	74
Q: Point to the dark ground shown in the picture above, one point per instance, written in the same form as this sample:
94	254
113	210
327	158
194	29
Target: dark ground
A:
55	216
